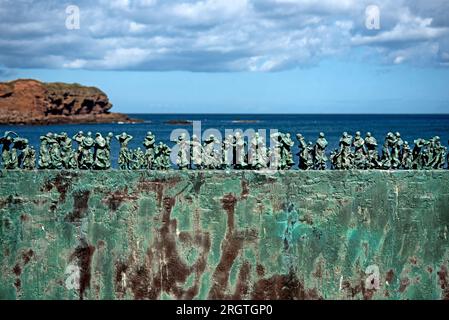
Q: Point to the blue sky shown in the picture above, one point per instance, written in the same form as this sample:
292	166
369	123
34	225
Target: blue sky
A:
245	56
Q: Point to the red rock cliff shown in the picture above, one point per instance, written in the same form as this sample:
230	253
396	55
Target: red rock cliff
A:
34	102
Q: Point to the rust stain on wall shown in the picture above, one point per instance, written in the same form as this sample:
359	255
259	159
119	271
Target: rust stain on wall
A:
217	235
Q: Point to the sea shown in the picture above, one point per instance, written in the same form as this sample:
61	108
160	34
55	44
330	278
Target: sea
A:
167	127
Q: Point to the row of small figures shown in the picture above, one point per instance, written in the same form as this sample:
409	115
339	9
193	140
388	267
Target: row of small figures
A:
362	153
94	152
353	153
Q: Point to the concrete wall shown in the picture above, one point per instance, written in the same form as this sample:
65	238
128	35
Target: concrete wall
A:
241	235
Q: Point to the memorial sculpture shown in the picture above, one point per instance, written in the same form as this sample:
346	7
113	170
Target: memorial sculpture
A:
102	151
44	156
334	159
240	156
20	144
371	150
148	143
9	153
228	152
286	152
86	159
211	156
252	151
162	157
68	155
310	154
196	151
78	138
396	150
437	154
282	157
138	159
28	156
359	158
258	154
406	156
183	156
319	153
107	149
305	159
55	153
417	154
275	157
263	157
342	159
389	152
124	159
234	152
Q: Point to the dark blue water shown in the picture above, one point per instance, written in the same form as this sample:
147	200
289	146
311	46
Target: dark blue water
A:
411	127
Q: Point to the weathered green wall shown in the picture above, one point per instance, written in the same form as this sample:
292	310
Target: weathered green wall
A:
241	235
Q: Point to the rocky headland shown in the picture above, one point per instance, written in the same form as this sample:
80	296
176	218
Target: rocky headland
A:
27	101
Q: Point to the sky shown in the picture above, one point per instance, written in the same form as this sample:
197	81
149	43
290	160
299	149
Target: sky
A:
236	56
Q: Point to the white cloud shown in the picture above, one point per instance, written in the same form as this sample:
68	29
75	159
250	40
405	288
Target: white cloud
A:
136	27
209	9
330	6
75	64
399	60
116	4
125	57
218	35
